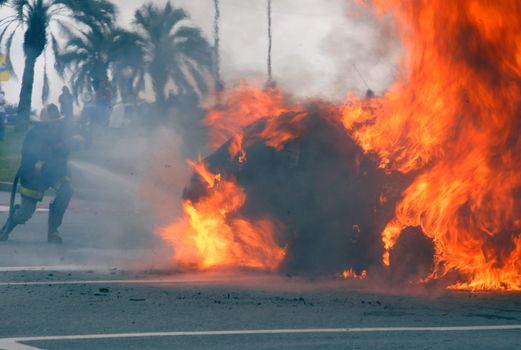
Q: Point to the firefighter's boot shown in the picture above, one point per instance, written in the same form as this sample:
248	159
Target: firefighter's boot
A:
54	237
20	215
8	227
6	230
57	210
55	220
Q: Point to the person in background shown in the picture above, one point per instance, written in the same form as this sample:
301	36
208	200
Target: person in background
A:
104	103
66	101
44	165
2	115
88	118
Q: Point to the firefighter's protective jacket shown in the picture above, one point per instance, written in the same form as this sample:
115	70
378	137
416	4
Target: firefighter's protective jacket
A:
45	154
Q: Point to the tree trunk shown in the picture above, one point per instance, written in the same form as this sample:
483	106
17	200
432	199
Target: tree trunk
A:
158	85
103	96
26	93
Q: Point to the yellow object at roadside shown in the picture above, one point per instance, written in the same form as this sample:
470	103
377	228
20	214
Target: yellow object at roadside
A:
4	71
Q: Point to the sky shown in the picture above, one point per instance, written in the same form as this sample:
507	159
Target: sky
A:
321	48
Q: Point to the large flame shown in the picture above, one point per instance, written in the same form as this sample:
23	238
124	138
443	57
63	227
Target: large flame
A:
455	119
213	234
451	121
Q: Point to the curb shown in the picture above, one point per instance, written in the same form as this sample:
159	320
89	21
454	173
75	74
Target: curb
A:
5	186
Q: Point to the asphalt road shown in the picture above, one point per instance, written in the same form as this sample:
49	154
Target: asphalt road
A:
109	287
95	233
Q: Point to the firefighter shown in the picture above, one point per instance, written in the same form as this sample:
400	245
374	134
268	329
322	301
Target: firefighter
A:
45	155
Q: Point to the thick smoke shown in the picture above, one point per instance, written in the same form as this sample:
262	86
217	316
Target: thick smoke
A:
130	182
331	201
365	54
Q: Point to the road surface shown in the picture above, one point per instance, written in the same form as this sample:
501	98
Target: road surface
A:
110	287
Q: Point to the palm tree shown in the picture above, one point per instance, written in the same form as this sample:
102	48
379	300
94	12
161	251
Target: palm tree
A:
270	77
128	64
270	83
92	56
216	43
41	19
175	51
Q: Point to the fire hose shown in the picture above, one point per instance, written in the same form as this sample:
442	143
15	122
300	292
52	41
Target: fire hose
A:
12	200
13	194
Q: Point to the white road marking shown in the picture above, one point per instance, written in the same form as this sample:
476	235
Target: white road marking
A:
127	281
14	343
56	268
5	209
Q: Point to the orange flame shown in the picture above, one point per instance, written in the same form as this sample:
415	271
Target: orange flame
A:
454	118
213	234
351	274
451	120
244	105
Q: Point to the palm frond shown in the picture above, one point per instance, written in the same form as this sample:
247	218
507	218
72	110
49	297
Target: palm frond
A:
9	43
80	83
78	43
180	79
5	31
45	86
8	19
198	51
89	12
198	76
54	45
19	6
10	68
65	30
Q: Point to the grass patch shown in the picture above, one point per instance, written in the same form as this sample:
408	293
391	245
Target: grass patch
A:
10	153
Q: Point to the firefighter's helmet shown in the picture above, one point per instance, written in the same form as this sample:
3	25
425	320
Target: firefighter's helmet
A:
50	114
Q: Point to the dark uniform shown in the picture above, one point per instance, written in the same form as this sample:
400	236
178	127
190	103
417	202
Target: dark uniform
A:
45	155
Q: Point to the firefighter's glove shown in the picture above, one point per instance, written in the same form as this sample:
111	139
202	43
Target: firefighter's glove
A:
38	166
